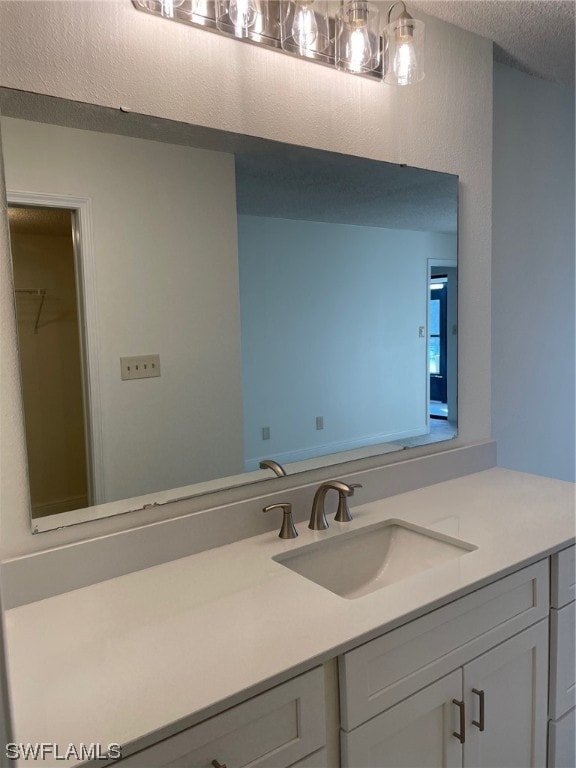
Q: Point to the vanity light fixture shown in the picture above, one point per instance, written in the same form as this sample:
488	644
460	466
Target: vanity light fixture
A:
305	27
238	17
403	48
341	33
167	7
358	43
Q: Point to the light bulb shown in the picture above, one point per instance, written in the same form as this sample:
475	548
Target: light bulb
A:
405	62
357	44
404	48
359	50
304	27
242	13
167	7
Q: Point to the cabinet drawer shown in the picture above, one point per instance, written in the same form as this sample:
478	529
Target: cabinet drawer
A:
563	577
562	742
381	673
272	730
562	660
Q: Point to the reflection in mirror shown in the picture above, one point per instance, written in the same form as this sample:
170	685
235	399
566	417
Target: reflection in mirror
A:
49	334
225	301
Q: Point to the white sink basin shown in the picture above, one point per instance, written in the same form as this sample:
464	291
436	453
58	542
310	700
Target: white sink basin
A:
359	562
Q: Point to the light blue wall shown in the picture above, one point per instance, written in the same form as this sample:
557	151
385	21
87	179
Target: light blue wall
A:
533	273
330	316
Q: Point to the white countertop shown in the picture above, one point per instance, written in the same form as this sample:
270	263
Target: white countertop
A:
130	656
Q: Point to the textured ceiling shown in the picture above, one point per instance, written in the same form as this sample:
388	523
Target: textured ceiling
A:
535	36
316	186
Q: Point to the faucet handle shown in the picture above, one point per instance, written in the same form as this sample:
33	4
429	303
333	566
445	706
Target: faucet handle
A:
287	531
343	515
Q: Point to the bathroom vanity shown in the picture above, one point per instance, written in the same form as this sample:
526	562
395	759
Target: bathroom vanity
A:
228	657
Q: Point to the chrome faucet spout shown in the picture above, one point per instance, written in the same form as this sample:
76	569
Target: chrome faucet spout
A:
318	520
278	469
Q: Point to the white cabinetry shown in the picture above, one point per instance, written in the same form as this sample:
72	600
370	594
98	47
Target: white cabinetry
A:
562	703
512	681
563	577
562	660
464	685
416	732
276	729
489	714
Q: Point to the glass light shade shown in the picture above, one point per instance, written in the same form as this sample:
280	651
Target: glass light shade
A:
166	7
404	51
357	45
203	12
240	18
304	26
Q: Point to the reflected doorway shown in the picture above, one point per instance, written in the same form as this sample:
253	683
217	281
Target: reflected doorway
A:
442	349
437	335
48	311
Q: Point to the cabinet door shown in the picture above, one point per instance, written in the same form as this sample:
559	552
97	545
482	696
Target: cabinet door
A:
562	660
417	732
512	680
562	741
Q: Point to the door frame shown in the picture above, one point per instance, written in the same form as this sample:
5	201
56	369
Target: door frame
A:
442	297
85	269
430	265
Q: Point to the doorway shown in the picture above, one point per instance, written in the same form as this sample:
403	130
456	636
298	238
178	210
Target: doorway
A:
442	348
51	352
437	352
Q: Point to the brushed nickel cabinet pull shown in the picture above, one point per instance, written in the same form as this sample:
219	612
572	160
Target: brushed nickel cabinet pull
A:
462	707
479	723
216	764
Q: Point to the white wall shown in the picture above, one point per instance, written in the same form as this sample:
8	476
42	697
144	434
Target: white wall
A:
110	54
533	275
166	276
330	327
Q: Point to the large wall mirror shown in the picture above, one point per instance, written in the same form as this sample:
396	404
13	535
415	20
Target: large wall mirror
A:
192	303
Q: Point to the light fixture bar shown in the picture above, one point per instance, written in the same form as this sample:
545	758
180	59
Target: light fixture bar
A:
203	14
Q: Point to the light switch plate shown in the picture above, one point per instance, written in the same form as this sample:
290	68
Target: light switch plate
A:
141	367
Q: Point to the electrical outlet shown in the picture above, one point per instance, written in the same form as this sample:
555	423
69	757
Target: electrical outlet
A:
265	433
319	422
141	367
